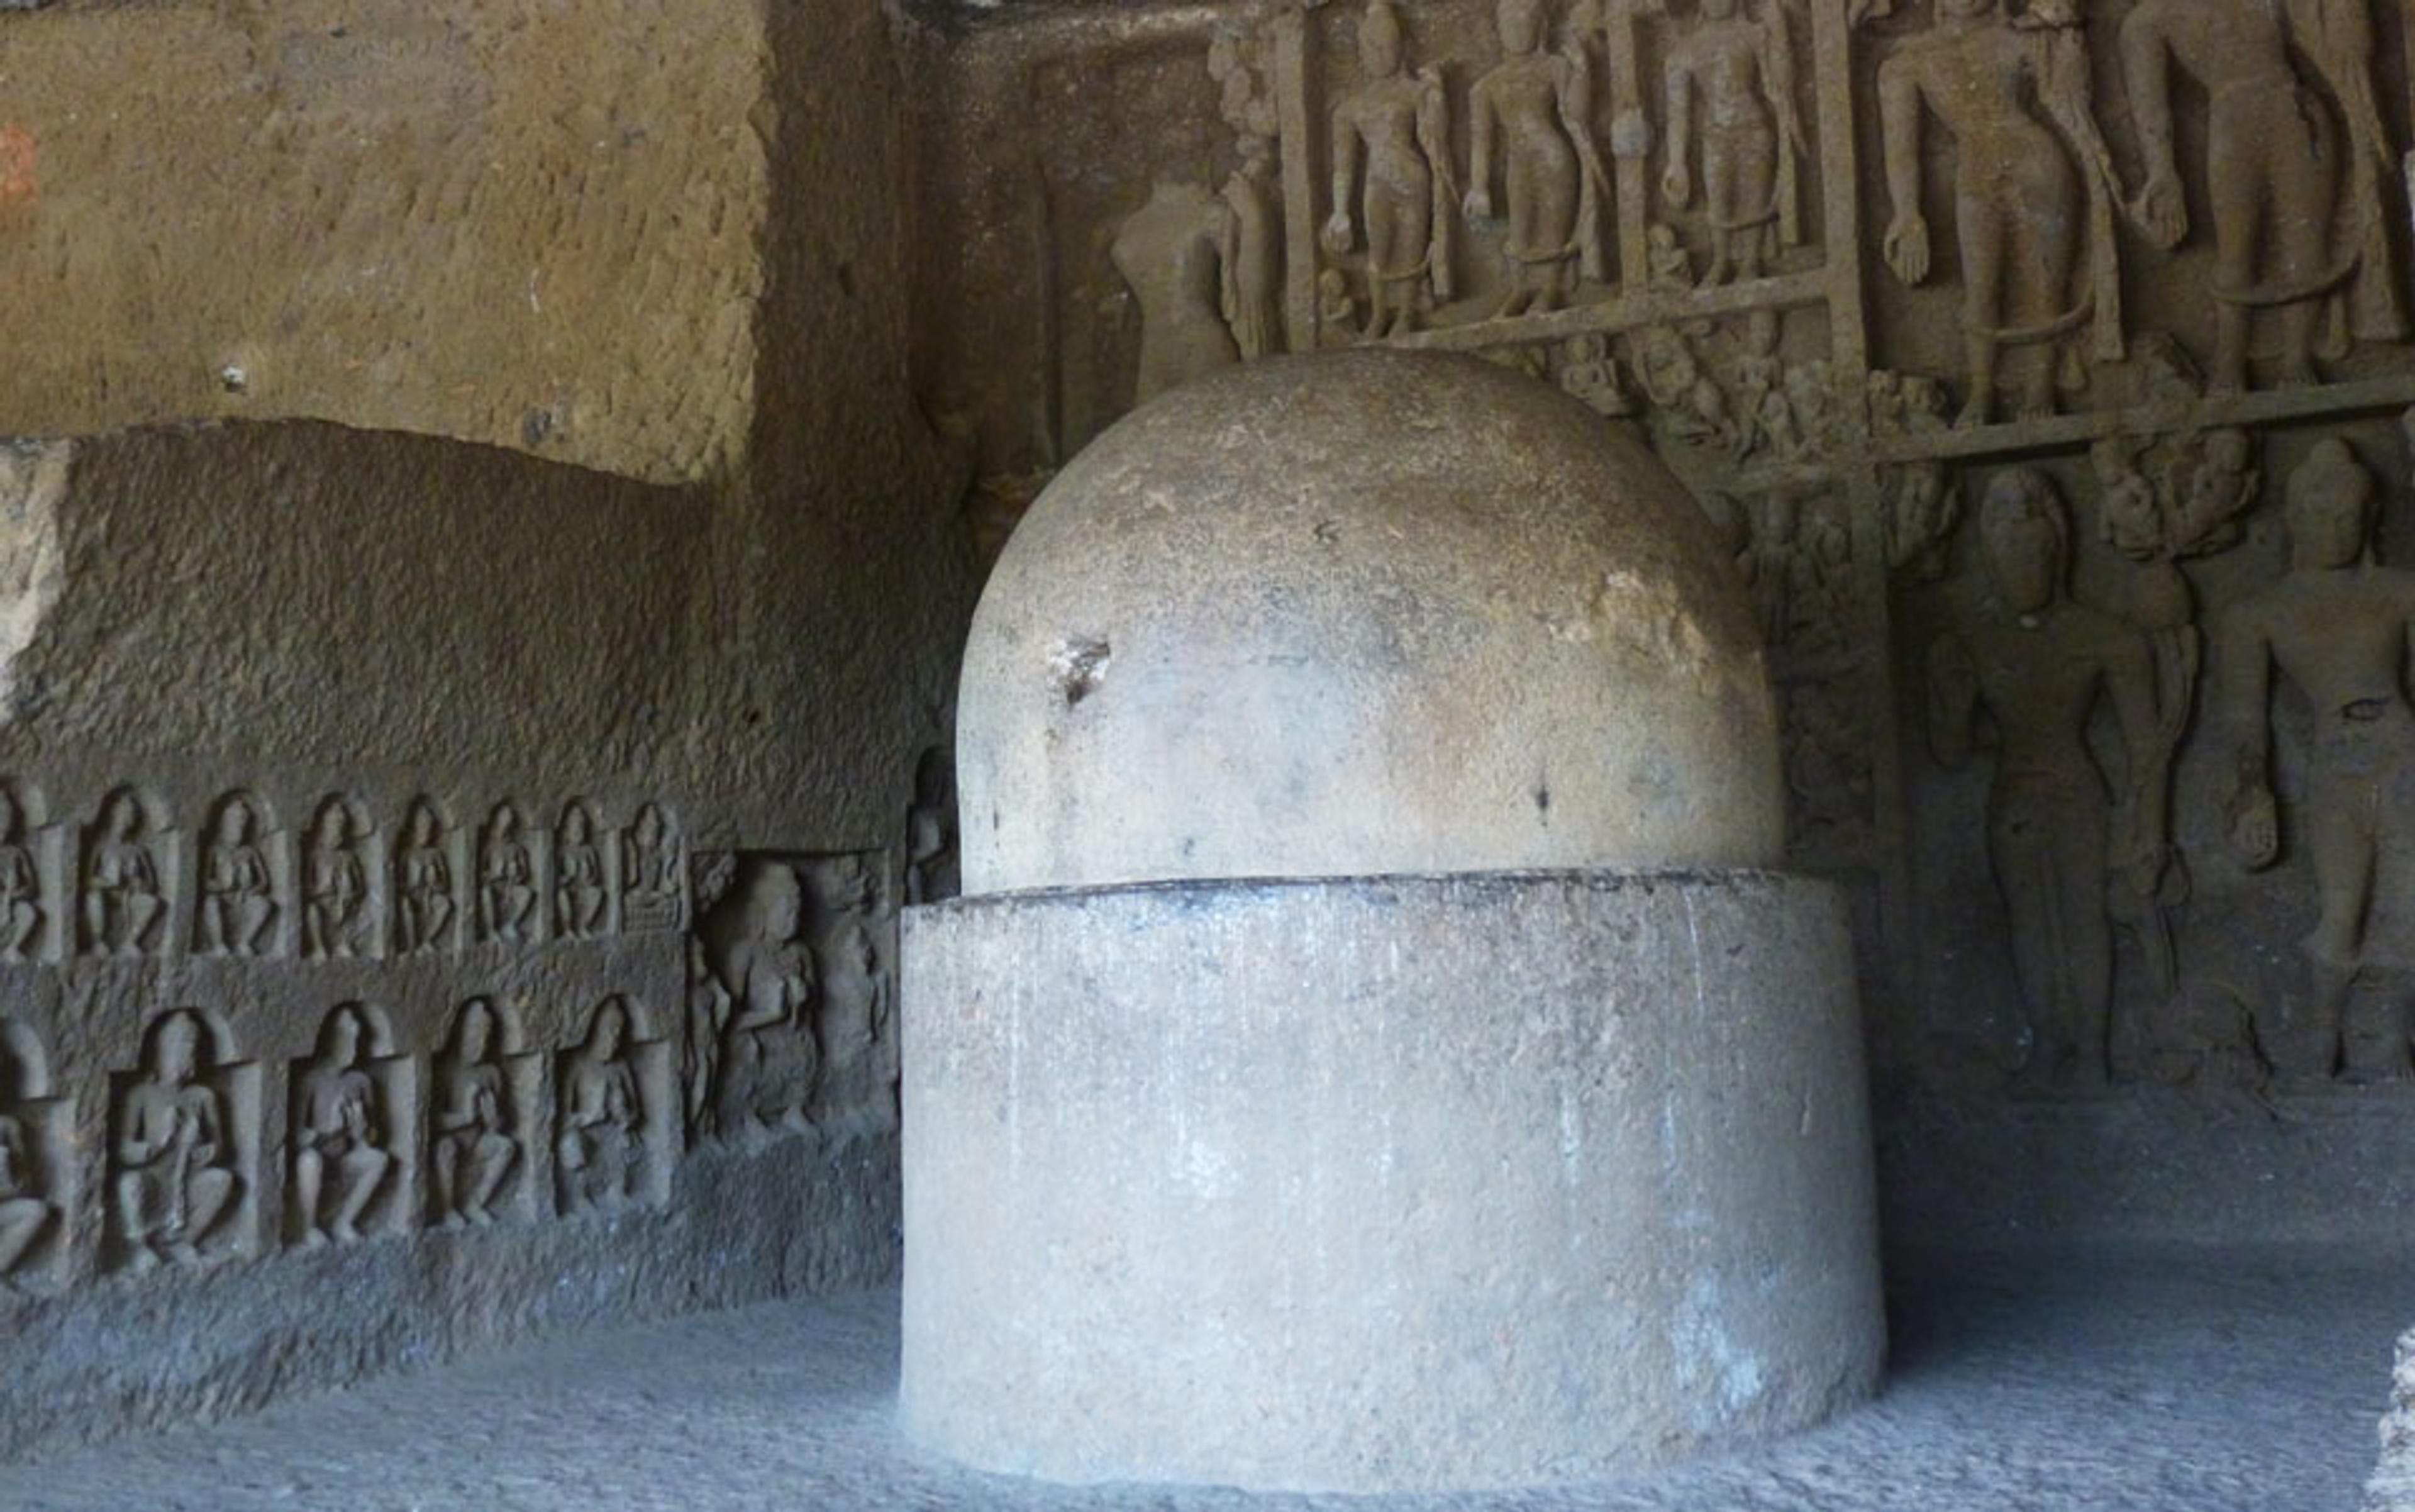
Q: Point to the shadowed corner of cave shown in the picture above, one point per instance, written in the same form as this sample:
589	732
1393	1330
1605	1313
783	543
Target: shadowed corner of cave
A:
1687	731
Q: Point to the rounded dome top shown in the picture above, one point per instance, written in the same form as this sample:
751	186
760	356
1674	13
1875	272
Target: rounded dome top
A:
1363	613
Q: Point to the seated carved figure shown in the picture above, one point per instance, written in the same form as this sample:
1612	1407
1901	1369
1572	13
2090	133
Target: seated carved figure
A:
24	1213
474	1151
506	880
21	887
174	1169
335	885
123	903
423	876
771	1057
239	902
339	1155
602	1146
578	895
649	873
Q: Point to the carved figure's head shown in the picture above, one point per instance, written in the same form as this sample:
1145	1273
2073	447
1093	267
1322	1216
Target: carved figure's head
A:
335	824
340	1038
234	822
175	1047
507	822
775	904
1379	41
2329	505
123	818
2025	538
611	1028
1520	23
423	827
474	1033
2226	451
575	825
650	828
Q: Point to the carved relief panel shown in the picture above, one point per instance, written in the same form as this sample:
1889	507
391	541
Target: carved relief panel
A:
38	1196
184	1148
353	1107
485	1091
616	1122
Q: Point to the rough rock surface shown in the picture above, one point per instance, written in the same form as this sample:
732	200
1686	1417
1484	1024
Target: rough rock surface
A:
2175	1380
537	226
1358	613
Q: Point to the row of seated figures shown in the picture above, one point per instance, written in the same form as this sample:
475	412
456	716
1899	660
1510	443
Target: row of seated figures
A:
187	1136
506	884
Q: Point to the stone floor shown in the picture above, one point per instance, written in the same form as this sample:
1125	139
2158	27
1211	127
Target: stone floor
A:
2188	1381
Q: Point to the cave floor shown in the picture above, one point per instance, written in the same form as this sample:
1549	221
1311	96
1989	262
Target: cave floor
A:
2195	1380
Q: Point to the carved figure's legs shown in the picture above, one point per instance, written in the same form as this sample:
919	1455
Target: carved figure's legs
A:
142	913
138	1198
489	1164
2049	865
258	913
444	1174
208	1193
1399	226
23	919
363	1170
1979	231
22	1220
310	1179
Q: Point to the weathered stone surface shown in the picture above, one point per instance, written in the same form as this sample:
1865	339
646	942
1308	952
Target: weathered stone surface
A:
1404	1183
537	226
1358	613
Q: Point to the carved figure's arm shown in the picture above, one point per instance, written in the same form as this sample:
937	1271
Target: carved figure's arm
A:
1478	204
1677	110
2244	652
1340	226
1953	701
2146	68
1905	243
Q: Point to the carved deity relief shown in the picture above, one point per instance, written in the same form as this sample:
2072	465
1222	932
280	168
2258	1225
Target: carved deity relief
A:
1171	253
601	1152
21	882
124	898
28	1210
474	1151
580	898
2336	627
2029	199
174	1181
1253	258
653	895
1686	401
238	907
1589	373
1922	509
1392	178
1751	143
425	904
336	883
768	1055
2038	663
2298	215
342	1133
507	880
1531	117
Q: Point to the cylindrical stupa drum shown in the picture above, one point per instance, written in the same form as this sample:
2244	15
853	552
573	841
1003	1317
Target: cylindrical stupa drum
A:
1370	1054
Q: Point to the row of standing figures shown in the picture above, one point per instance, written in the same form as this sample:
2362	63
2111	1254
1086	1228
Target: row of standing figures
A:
2075	865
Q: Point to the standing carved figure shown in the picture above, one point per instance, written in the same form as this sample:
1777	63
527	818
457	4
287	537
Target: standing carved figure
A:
1253	258
507	892
771	1054
708	1021
21	884
2018	199
1405	198
175	1170
2039	662
238	898
24	1212
579	893
603	1117
335	885
1753	141
1539	106
1173	252
472	1152
424	917
2283	239
2337	625
123	905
